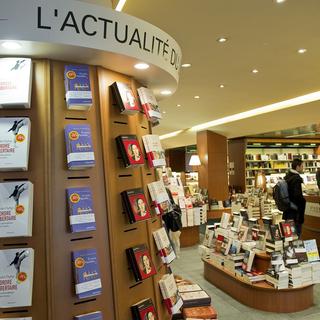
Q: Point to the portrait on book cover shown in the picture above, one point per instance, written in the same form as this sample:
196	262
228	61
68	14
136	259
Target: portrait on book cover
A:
139	206
145	264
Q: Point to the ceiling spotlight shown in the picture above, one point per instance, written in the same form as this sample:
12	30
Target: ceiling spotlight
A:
141	66
178	105
313	144
166	92
302	50
278	144
164	112
11	45
197	97
186	65
296	144
280	1
255	71
222	39
221	86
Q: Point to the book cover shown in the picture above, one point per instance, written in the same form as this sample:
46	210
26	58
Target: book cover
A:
16	277
155	153
277	262
86	273
81	212
14	143
255	234
16	209
164	245
77	87
242	235
135	205
225	220
141	262
90	316
311	250
80	154
286	230
300	251
124	98
275	232
289	254
149	104
206	312
15	82
159	196
130	150
195	298
144	310
248	260
189	288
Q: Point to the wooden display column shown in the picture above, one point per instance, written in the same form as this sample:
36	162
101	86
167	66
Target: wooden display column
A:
212	151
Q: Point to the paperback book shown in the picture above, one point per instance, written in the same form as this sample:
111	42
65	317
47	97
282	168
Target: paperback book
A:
159	197
15	83
195	299
86	273
155	153
144	310
205	312
130	150
135	205
81	213
275	232
16	274
77	86
289	254
140	261
14	144
300	251
16	209
248	260
286	231
149	104
311	250
90	316
164	246
124	98
80	154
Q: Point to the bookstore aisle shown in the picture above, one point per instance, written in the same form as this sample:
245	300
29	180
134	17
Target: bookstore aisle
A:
189	266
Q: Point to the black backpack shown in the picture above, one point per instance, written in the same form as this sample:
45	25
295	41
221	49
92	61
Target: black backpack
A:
281	196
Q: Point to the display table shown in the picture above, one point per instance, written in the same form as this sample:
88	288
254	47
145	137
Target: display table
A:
311	226
189	236
260	296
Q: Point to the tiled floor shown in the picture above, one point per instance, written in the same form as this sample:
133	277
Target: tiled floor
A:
190	266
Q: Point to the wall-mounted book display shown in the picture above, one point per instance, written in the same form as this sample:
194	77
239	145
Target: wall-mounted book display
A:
77	86
144	309
15	83
16	209
130	150
14	143
149	104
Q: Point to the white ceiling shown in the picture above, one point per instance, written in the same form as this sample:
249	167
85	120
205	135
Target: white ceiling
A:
262	35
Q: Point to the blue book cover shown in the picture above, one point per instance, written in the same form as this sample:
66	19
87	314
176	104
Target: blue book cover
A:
81	213
77	86
87	273
80	154
90	316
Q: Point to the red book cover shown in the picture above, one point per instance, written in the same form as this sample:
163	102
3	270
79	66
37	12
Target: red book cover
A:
125	98
286	229
143	261
144	310
132	150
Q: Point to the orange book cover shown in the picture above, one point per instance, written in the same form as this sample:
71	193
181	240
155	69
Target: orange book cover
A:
200	312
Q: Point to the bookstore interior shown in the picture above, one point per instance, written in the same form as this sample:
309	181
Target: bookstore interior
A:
112	209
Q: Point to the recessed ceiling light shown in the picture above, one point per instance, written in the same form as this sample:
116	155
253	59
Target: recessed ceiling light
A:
186	65
313	144
222	39
166	92
221	86
141	66
280	1
197	97
302	50
296	144
164	112
13	45
278	144
120	5
178	105
255	71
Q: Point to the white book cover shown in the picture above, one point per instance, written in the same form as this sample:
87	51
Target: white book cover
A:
164	245
225	220
312	250
16	209
149	102
154	150
15	82
14	143
189	288
194	295
197	216
16	277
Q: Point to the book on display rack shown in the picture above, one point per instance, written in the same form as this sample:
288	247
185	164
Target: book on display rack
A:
80	154
149	104
81	213
15	83
164	246
97	315
205	312
86	273
130	150
159	197
124	98
135	205
77	87
14	143
16	274
16	209
144	310
154	151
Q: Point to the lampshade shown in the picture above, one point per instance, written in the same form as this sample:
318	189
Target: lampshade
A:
194	160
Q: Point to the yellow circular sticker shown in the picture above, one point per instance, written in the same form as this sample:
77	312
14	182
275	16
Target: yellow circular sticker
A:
20	137
79	263
74	135
22	276
20	209
71	74
74	198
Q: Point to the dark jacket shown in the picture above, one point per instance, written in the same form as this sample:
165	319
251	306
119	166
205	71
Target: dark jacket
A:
294	181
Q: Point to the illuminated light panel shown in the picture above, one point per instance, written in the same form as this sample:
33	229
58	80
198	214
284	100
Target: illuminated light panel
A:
141	66
166	92
222	39
255	71
120	5
170	135
11	45
302	50
186	65
197	97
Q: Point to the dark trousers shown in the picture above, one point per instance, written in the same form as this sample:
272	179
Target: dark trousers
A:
299	229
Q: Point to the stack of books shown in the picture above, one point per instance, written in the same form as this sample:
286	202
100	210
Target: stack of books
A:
279	280
195	299
306	272
206	313
295	276
164	246
144	309
254	276
232	262
315	272
130	150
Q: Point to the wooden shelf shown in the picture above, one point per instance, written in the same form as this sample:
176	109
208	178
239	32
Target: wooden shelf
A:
217	213
189	236
261	295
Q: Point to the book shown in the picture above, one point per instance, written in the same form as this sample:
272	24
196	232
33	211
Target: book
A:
140	261
195	299
226	245
14	143
300	251
159	197
236	223
248	260
164	246
15	83
79	147
77	87
286	230
289	254
277	262
90	316
144	310
189	288
225	220
255	234
275	232
261	242
16	274
80	207
86	273
243	232
135	205
130	150
16	209
124	98
206	312
311	250
154	151
149	104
